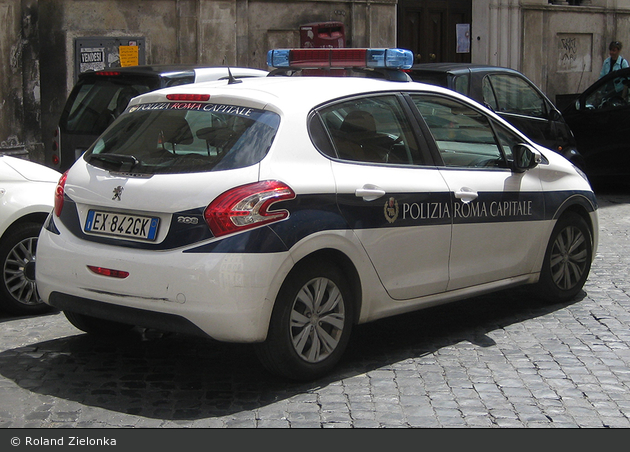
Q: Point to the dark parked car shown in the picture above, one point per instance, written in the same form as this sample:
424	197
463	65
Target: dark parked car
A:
99	97
511	95
600	119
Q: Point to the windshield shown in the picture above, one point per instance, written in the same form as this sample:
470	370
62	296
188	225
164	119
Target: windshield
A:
184	137
95	103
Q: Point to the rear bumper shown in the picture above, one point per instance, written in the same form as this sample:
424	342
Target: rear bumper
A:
124	314
226	296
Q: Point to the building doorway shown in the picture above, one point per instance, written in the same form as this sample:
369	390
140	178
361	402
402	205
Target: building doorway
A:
434	30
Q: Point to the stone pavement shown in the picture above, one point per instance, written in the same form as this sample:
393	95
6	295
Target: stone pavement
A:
503	360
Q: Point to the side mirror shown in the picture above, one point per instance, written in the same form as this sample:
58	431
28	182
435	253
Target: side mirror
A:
524	158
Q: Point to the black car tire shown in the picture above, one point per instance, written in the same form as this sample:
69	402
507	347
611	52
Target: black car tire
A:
18	291
567	259
96	326
310	324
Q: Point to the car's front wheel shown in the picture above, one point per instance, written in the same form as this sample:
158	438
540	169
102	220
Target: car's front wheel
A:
311	323
567	259
18	292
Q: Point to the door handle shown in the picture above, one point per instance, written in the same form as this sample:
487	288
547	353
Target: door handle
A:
466	194
369	192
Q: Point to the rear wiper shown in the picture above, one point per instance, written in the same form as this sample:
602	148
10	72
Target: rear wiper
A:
116	159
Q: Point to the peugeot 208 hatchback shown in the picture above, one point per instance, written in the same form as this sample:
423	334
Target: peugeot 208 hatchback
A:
281	211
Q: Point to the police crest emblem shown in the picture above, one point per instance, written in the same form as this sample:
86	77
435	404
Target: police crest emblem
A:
391	210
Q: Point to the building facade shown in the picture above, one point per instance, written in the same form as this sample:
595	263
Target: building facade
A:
558	44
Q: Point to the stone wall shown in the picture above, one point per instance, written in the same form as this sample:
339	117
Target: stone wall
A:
38	36
12	90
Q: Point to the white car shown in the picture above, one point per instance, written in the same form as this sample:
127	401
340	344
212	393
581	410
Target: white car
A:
280	211
27	192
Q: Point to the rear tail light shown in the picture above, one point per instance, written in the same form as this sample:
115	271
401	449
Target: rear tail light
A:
189	97
247	207
108	73
59	193
120	274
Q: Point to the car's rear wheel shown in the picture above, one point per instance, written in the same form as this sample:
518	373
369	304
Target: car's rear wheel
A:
96	326
567	259
18	292
311	323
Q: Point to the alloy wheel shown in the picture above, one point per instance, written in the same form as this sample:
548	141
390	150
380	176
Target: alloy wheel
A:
317	320
569	258
17	275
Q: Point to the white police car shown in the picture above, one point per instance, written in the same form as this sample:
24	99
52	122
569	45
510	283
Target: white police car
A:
280	211
26	198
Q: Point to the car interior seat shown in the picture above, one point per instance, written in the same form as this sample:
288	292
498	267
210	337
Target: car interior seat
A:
355	133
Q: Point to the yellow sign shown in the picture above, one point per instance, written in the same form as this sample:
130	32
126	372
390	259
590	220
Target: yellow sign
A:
128	55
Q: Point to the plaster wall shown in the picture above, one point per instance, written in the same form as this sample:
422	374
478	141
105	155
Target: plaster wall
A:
37	43
564	46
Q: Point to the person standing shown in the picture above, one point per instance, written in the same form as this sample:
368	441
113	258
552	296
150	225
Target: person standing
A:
615	61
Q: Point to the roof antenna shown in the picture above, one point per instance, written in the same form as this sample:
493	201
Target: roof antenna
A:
231	79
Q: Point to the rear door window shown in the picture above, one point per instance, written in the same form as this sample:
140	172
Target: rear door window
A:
95	103
371	129
512	94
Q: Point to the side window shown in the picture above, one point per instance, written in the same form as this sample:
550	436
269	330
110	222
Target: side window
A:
461	84
371	129
489	99
612	94
516	95
464	136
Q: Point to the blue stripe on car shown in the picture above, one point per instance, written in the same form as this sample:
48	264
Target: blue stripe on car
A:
311	214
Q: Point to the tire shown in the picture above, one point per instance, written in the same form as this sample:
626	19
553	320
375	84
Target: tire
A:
96	326
310	324
567	259
18	292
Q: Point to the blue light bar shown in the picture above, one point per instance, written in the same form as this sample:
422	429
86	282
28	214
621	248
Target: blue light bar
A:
390	58
278	58
340	57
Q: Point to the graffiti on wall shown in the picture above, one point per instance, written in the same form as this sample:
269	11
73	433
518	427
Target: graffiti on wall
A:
574	52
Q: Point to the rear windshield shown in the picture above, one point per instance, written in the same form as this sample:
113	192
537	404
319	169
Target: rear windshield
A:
95	103
184	137
432	78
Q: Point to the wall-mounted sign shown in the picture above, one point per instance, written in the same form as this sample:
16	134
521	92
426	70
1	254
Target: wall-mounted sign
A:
463	38
92	58
128	55
95	53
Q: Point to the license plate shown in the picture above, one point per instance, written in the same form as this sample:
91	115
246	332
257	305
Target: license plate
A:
122	225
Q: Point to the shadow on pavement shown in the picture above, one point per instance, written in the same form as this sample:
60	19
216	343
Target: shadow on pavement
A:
174	377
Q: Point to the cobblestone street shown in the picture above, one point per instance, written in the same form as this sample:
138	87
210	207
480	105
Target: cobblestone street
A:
503	360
